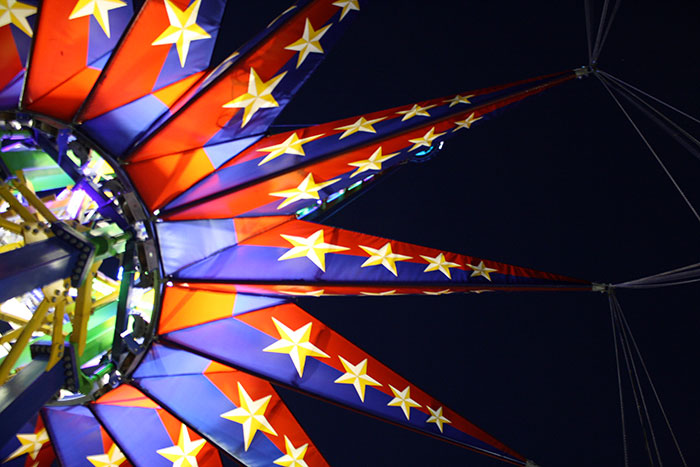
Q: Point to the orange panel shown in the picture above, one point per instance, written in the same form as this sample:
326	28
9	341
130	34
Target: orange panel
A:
169	94
60	45
161	179
127	396
184	307
10	64
64	101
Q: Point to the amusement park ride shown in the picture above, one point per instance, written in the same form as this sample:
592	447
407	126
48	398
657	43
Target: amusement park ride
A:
161	231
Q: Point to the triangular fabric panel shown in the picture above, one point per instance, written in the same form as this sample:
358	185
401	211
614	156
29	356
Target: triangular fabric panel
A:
226	400
15	42
175	238
299	252
333	155
288	346
79	439
247	92
31	446
156	64
181	170
147	433
212	306
83	35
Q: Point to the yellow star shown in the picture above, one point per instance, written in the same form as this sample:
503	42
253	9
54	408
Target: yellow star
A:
425	140
291	145
467	122
403	399
312	247
97	8
251	415
310	293
184	453
379	294
357	376
259	96
183	29
415	111
31	444
482	270
383	256
360	125
14	12
439	264
459	100
347	5
296	344
438	292
436	417
309	42
294	456
373	163
307	189
113	458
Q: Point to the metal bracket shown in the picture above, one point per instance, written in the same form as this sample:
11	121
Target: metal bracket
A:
70	365
80	242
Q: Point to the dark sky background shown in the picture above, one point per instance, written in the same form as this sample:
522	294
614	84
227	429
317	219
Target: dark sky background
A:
560	183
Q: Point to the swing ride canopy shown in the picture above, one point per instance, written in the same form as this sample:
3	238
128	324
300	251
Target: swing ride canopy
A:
226	215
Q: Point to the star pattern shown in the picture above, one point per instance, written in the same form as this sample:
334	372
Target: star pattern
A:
439	263
361	124
307	189
436	417
467	122
403	399
415	111
357	376
183	29
347	5
294	457
309	42
481	270
259	96
459	100
425	140
383	256
14	12
373	163
312	247
184	453
291	145
97	8
112	458
30	444
296	344
251	415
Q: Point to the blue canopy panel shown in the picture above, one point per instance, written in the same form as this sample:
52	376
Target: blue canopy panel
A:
224	399
31	446
149	74
286	345
247	92
79	438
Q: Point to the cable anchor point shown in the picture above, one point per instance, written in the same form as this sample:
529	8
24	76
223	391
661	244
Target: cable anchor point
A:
584	71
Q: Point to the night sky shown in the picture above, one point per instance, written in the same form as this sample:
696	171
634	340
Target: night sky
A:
559	182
